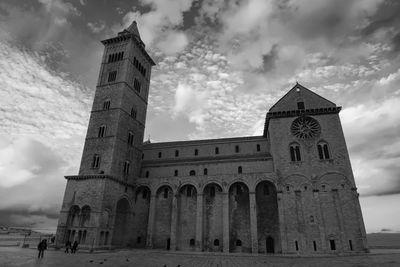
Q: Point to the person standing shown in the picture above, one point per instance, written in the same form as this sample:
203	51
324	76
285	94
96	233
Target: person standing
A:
42	247
74	247
68	247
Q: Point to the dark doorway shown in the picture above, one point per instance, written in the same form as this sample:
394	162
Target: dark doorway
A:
168	243
270	245
333	245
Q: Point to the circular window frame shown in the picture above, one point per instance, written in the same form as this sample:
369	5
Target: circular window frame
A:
305	127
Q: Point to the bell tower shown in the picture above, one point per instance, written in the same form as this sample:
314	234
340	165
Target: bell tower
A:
115	134
112	153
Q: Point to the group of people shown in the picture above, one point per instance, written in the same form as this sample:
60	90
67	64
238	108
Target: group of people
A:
72	247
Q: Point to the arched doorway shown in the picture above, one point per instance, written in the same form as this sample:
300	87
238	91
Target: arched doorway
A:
187	209
212	217
267	217
239	218
162	220
270	245
121	222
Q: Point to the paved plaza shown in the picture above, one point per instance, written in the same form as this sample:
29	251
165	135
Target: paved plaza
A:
14	256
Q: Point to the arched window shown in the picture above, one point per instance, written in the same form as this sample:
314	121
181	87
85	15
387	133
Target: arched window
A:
191	242
176	173
159	154
133	112
196	152
240	170
295	152
237	149
216	150
323	150
216	242
176	153
192	173
300	105
106	105
258	147
85	215
205	171
96	161
238	243
130	138
126	167
102	131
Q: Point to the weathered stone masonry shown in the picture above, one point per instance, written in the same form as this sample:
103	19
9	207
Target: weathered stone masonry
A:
291	190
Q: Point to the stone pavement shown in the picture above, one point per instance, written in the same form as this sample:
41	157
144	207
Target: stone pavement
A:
10	257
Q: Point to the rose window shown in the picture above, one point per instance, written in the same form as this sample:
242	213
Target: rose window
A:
305	128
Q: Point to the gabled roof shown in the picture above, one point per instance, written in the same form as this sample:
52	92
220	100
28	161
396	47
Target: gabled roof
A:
299	93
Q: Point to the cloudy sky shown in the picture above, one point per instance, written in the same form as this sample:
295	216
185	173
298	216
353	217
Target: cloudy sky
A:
220	66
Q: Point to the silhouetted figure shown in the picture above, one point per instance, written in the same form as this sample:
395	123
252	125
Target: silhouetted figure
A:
42	247
74	247
67	246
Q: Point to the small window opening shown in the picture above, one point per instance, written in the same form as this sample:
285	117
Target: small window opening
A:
240	170
138	240
311	219
237	149
96	161
296	245
287	188
112	76
106	105
315	245
176	173
216	150
332	244
216	242
238	243
196	152
159	154
192	173
176	153
133	113
126	167
258	148
102	131
300	105
350	245
147	174
205	172
130	138
295	152
191	242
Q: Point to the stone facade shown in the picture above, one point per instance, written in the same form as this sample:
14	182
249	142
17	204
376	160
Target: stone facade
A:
290	190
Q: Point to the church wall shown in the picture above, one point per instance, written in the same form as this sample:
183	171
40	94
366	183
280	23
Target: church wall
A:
186	230
163	214
239	219
141	205
212	219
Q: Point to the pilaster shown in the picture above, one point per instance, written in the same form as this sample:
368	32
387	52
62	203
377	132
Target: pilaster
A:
174	221
225	221
199	223
150	226
253	222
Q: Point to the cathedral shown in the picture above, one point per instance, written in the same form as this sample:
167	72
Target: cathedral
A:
288	191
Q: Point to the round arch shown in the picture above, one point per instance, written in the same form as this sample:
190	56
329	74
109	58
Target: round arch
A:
121	221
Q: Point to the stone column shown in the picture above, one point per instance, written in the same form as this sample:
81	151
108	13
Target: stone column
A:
225	221
282	226
199	223
320	219
174	220
150	224
253	222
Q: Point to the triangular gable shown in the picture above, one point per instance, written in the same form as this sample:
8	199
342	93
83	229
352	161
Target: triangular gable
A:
300	93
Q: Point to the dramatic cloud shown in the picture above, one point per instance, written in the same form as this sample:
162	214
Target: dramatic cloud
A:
220	66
